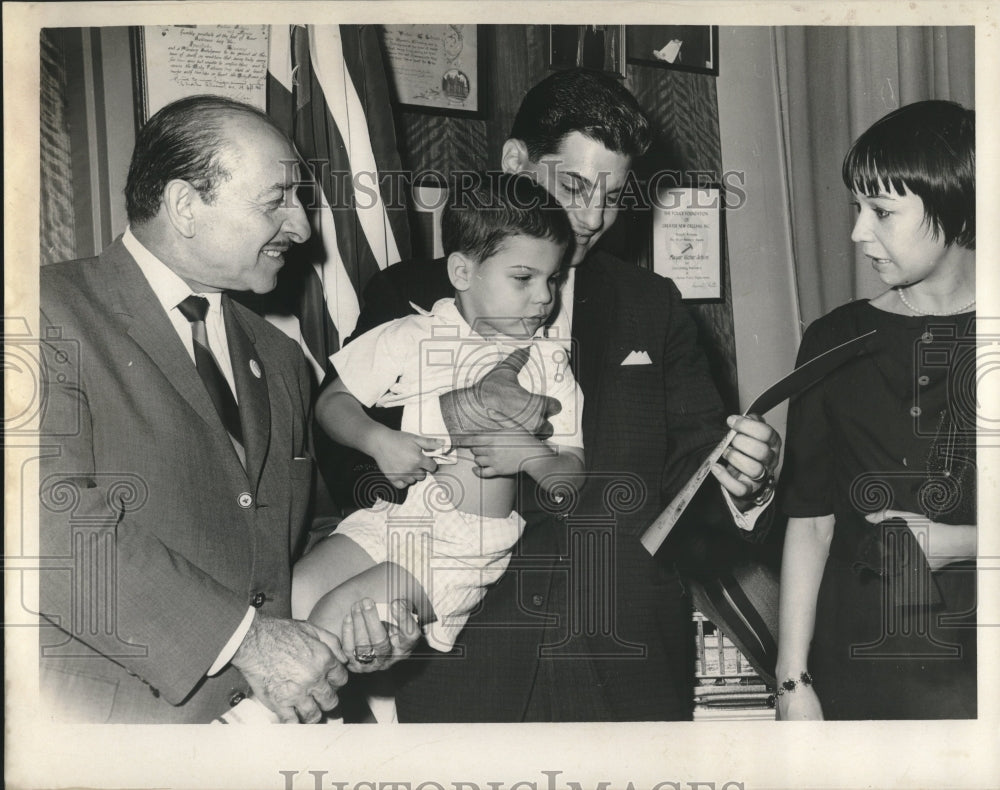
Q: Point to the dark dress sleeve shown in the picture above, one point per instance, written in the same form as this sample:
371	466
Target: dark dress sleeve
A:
806	486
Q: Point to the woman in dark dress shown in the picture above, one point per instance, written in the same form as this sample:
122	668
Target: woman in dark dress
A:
877	612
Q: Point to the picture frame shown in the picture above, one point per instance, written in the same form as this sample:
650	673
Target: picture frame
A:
691	48
594	47
170	62
436	69
686	240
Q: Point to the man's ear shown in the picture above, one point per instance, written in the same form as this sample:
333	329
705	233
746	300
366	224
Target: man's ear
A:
179	199
460	270
514	156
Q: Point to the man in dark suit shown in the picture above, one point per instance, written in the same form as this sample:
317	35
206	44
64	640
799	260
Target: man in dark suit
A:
585	625
176	472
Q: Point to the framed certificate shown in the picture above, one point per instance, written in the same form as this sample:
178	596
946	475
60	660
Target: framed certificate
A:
687	234
436	68
174	61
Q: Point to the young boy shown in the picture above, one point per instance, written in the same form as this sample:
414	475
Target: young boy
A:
454	533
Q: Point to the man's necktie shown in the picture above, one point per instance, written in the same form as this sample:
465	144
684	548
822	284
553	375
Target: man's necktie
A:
194	309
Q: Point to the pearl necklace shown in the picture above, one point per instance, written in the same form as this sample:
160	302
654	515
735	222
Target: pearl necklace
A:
902	296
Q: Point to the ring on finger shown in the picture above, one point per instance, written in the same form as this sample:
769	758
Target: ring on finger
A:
365	654
758	478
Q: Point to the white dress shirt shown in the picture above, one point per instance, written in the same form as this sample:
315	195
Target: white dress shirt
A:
171	290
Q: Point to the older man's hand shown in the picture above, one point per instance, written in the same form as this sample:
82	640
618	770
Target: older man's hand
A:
497	402
292	667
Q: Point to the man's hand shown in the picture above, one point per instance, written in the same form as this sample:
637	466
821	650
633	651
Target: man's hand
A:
751	458
292	666
401	457
497	402
364	633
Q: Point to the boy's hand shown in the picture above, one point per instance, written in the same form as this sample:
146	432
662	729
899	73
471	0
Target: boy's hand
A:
401	456
501	454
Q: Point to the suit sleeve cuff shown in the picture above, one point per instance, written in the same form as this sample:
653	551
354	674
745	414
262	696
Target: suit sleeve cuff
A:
748	520
230	648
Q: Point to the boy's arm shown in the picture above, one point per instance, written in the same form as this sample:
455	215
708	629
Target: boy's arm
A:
549	465
399	455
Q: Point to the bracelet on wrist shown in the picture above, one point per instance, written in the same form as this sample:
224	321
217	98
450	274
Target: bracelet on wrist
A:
791	684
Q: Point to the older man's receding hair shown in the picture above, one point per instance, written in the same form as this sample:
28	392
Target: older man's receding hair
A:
184	140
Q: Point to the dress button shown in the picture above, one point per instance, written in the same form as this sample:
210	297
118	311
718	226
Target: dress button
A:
244	500
915	411
258	600
537	600
923	381
237	698
927	337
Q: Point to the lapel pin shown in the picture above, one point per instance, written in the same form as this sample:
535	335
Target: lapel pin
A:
255	368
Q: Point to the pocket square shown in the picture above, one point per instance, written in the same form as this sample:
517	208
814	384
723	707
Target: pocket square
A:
637	358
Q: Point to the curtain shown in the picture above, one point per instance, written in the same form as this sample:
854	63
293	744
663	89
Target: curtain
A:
834	82
327	88
58	223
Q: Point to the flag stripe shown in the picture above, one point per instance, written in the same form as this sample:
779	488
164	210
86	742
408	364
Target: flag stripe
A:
333	100
349	119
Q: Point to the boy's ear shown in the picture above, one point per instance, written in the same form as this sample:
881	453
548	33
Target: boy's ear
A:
514	156
460	270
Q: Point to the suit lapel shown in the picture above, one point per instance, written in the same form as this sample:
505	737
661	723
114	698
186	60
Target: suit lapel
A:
147	324
251	390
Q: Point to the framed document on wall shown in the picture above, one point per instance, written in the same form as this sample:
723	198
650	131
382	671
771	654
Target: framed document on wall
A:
692	48
436	68
687	240
170	62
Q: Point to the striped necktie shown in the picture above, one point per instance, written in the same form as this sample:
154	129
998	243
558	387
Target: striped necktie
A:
194	309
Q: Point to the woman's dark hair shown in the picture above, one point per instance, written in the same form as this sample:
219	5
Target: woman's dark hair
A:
480	215
929	149
183	140
594	104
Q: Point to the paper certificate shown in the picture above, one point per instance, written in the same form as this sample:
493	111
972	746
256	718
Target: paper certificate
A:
686	240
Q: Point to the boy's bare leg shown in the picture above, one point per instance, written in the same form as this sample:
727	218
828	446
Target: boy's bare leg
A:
381	583
330	563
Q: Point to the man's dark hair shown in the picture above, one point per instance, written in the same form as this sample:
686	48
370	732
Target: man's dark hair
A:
478	218
927	148
594	104
183	140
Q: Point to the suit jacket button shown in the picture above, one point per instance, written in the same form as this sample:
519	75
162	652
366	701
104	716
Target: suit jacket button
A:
258	600
237	698
537	600
244	500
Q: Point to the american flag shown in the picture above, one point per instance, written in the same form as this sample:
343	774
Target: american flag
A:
328	89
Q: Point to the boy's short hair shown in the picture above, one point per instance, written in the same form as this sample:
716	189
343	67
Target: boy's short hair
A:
594	104
479	217
929	149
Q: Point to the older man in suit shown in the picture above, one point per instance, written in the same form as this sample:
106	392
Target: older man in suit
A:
176	473
585	625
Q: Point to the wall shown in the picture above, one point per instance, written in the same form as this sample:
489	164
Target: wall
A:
765	312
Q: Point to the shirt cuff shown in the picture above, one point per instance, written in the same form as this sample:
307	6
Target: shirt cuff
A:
748	520
227	652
